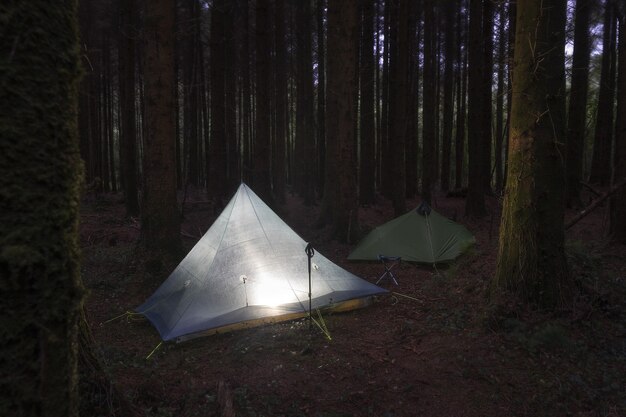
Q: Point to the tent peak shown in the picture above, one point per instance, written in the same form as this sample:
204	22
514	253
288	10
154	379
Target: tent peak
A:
423	209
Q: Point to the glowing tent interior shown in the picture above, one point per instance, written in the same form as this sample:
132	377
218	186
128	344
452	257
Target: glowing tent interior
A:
249	268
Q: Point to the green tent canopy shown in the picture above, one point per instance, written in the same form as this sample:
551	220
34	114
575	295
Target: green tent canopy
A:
421	235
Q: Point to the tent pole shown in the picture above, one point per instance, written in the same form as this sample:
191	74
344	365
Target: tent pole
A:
309	253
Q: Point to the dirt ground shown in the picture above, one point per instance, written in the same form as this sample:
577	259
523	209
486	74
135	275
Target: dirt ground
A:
433	347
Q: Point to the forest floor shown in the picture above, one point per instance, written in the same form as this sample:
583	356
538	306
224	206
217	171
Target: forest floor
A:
445	351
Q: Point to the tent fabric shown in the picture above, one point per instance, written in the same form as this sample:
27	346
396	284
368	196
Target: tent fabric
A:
249	265
421	235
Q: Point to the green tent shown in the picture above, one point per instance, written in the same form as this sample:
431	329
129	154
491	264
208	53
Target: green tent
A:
421	235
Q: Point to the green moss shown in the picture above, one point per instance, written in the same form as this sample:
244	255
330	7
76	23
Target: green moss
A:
39	182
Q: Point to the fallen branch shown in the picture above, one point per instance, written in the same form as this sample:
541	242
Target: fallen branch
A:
590	188
595	204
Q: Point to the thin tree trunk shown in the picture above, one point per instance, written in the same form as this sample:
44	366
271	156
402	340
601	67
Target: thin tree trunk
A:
499	134
400	83
279	179
486	94
459	147
230	99
448	97
429	107
217	157
601	159
412	143
305	121
475	203
618	202
367	117
321	95
262	177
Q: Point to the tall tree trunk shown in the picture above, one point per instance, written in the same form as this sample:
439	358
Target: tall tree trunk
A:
509	91
40	175
341	167
367	116
160	218
262	178
531	259
601	159
230	98
412	136
281	103
246	93
305	120
486	94
448	95
577	115
459	141
321	95
429	107
499	134
475	203
128	133
618	202
400	83
385	168
217	157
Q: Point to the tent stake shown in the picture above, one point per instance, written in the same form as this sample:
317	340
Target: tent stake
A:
309	253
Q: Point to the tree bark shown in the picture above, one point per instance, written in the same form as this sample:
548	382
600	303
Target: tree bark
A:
459	147
412	136
40	179
262	177
499	133
531	258
367	117
487	95
475	203
128	133
305	120
429	102
618	202
601	158
399	92
279	177
448	95
340	116
217	156
321	96
577	115
160	219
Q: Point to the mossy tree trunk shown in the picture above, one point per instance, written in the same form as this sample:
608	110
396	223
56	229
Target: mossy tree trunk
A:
40	176
531	258
160	218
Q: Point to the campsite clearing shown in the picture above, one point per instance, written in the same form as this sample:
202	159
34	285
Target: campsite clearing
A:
443	351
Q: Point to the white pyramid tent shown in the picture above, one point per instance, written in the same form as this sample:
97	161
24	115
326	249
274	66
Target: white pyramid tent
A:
249	268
